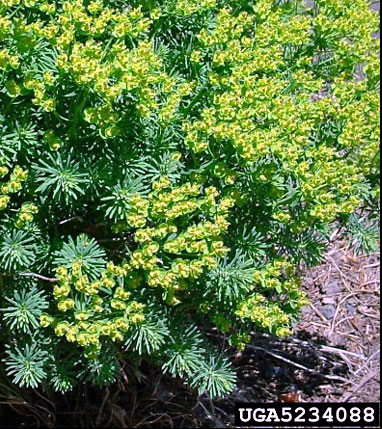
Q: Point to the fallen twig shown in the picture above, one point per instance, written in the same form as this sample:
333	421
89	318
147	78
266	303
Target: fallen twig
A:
297	365
364	380
324	319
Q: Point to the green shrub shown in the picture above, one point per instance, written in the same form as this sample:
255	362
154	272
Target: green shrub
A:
166	166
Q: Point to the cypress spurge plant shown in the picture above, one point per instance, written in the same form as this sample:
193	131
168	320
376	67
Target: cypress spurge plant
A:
166	166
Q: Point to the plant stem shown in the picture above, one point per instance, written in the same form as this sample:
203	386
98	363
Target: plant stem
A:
34	275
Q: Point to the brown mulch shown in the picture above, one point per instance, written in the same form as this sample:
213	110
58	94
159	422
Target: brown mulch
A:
345	309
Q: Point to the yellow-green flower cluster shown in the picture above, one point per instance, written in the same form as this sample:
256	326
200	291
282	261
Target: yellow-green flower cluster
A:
274	313
54	142
8	61
41	94
349	26
81	32
25	215
189	7
195	248
264	114
223	172
88	313
168	111
240	340
191	251
266	314
13	185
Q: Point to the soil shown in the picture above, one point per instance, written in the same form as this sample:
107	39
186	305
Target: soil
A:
333	356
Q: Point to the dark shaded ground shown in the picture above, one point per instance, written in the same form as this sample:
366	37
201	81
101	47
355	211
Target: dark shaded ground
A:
333	356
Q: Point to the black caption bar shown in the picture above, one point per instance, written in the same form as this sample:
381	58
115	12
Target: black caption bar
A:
307	415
